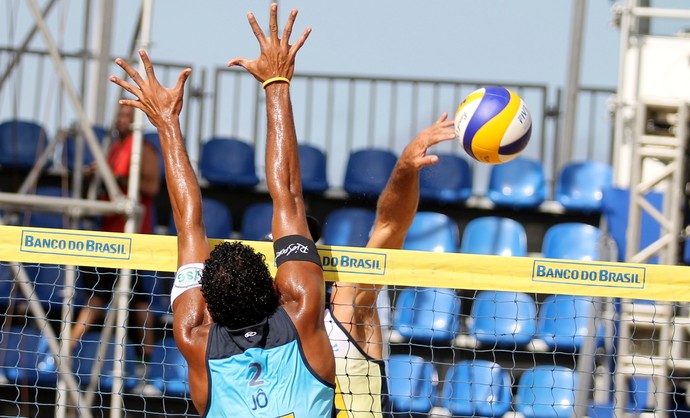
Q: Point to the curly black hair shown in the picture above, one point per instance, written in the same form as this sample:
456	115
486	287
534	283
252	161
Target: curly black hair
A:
237	286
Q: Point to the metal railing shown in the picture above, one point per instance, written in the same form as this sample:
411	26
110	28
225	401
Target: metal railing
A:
337	113
34	92
343	113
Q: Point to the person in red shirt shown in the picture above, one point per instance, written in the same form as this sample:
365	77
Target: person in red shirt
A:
100	283
119	159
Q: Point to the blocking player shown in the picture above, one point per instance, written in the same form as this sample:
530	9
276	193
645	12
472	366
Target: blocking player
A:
255	347
352	321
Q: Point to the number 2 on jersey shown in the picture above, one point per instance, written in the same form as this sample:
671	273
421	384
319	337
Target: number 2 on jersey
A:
255	380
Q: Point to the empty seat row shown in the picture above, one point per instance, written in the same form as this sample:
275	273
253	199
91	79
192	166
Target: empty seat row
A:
22	141
489	235
505	319
25	359
431	316
231	162
469	388
480	388
519	183
47	282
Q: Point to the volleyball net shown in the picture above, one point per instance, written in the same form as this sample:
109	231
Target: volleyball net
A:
469	335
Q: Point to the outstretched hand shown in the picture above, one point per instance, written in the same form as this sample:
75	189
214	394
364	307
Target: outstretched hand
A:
277	57
415	154
161	105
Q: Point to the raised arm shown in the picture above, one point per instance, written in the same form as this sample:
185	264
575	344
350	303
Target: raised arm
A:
299	279
398	202
354	305
163	106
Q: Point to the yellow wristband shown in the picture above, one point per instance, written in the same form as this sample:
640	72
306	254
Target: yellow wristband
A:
274	79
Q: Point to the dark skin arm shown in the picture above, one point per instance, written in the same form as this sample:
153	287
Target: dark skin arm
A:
299	283
162	106
354	305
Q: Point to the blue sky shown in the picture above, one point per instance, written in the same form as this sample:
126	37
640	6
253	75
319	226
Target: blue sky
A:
525	41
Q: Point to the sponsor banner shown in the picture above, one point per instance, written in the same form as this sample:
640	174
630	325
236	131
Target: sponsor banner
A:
354	262
368	265
589	274
75	244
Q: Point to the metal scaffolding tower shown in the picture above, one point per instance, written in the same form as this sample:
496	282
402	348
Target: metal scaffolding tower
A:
76	207
650	139
651	127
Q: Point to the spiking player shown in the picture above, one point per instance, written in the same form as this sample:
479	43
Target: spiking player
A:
352	320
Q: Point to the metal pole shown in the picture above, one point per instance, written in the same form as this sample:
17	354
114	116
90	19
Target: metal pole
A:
584	371
572	85
124	281
98	92
621	130
24	46
61	204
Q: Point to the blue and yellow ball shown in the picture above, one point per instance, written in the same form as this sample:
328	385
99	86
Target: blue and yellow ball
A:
493	125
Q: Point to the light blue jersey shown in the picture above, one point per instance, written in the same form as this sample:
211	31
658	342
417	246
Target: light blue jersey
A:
260	371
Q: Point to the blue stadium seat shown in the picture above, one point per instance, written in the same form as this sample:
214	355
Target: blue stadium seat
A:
156	285
546	392
427	315
167	369
48	219
641	393
228	162
580	185
256	221
564	321
49	286
616	206
348	227
572	241
447	181
519	183
48	279
431	231
217	219
86	353
492	235
23	358
312	162
477	388
503	319
21	142
70	149
368	171
411	385
641	397
6	285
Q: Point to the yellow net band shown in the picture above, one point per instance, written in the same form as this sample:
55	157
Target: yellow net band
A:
367	265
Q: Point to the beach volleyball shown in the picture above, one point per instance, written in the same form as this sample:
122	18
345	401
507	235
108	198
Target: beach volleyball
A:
493	124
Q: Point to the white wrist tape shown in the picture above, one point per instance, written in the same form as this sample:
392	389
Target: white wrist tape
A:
187	277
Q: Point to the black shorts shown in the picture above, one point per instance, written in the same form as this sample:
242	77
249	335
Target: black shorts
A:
101	282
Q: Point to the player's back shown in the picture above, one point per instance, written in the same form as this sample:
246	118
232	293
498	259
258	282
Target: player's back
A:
260	371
